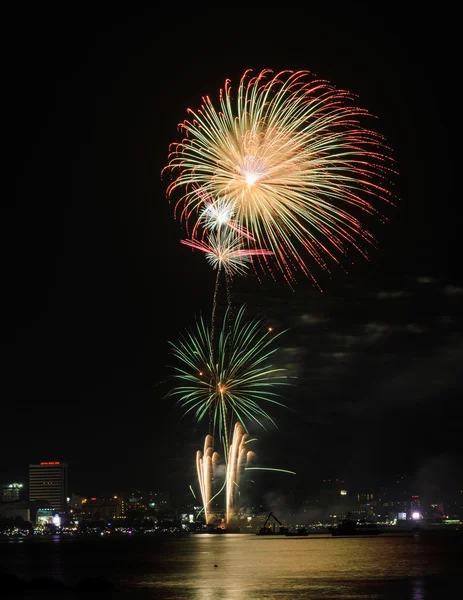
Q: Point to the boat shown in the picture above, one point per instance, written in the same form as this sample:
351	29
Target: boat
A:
349	527
222	530
271	529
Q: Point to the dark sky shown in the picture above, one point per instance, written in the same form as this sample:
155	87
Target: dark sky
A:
95	281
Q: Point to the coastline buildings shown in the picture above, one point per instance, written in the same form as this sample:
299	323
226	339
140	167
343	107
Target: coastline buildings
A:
400	500
48	482
11	492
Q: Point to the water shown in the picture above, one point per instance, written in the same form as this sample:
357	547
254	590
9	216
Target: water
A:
241	566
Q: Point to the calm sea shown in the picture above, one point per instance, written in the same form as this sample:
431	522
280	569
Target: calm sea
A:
245	567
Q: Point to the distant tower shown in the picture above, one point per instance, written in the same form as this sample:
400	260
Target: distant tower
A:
48	481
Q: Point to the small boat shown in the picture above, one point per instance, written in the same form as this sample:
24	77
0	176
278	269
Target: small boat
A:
223	530
349	527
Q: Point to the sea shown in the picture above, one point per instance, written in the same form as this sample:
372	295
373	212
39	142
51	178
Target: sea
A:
243	566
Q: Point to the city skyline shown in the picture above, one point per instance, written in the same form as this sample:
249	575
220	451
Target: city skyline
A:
98	282
46	485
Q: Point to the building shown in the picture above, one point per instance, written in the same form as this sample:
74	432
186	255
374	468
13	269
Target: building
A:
100	508
15	510
48	481
334	500
26	510
367	506
11	492
147	501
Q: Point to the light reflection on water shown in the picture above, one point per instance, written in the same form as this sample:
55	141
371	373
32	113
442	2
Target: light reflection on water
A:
240	566
233	567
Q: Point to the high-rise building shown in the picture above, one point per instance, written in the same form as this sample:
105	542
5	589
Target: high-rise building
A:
48	482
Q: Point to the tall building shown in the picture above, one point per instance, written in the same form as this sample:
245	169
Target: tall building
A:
48	481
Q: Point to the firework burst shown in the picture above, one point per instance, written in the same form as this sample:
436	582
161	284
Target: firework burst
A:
225	249
231	378
289	158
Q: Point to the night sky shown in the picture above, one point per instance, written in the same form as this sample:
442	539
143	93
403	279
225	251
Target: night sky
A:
95	281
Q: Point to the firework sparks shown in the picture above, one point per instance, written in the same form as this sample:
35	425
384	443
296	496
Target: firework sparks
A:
238	457
225	249
217	214
205	465
270	469
289	158
231	377
237	461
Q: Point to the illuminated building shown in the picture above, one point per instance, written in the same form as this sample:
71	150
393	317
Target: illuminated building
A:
75	502
366	506
11	492
116	498
143	500
414	505
100	508
48	481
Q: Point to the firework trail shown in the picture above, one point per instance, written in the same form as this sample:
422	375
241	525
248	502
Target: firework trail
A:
224	250
238	461
238	457
233	380
205	465
222	241
288	155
